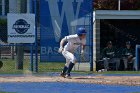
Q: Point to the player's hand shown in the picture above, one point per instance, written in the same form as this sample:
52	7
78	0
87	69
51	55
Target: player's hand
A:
130	58
82	56
82	52
60	49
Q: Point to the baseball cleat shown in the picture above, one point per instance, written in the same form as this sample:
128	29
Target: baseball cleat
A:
62	75
68	76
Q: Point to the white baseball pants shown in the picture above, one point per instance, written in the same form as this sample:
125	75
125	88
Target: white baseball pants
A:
69	57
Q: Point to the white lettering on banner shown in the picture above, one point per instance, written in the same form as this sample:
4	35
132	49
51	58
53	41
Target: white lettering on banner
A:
49	50
43	50
56	50
16	36
21	26
67	11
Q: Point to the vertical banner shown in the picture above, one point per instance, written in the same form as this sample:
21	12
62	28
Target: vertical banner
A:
60	18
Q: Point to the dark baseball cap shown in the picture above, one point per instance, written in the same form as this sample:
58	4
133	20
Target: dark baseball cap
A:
109	43
128	43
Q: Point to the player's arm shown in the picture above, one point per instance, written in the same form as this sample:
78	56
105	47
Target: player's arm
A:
83	48
62	44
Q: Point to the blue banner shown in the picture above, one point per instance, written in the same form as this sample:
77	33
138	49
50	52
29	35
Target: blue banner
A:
59	18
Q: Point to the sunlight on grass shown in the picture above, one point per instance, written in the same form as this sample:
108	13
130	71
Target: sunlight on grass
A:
9	68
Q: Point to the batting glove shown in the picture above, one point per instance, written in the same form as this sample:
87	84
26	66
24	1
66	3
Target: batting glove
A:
82	52
82	56
60	49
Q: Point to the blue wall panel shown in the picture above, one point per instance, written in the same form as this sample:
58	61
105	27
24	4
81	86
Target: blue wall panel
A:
59	18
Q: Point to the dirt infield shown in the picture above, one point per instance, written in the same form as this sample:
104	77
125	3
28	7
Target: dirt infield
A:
115	80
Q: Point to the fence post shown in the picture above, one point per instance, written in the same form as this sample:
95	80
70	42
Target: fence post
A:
12	52
36	42
20	48
3	7
13	9
137	57
31	57
20	57
119	5
91	40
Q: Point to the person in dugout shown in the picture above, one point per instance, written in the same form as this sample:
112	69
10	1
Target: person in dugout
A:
128	55
109	55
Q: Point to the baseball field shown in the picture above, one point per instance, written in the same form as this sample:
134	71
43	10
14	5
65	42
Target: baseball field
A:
48	80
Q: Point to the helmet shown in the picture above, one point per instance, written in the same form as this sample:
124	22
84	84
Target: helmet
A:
81	31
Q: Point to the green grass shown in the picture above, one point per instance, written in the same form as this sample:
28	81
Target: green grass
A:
50	67
9	68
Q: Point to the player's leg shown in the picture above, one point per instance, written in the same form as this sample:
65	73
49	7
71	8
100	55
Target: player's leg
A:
125	63
72	59
117	61
105	63
63	73
69	70
134	64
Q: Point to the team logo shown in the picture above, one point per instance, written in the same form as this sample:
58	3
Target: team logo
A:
21	26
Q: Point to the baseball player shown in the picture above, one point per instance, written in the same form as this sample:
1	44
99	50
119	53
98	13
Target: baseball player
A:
109	55
73	42
129	56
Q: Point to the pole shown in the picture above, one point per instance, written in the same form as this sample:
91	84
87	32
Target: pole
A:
91	39
29	10
31	6
137	57
20	49
20	57
3	7
119	5
31	58
36	42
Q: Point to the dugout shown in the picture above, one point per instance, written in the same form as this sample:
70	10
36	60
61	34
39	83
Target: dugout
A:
117	26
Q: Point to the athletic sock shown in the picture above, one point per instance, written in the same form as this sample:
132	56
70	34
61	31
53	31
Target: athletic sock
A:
65	69
70	68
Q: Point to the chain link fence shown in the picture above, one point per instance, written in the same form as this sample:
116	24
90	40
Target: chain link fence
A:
16	58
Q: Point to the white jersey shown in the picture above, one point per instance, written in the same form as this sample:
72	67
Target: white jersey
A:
73	42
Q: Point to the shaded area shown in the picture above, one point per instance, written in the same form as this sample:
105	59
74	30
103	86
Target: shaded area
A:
120	31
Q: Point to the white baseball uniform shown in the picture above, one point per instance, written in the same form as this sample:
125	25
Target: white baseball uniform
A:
73	42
